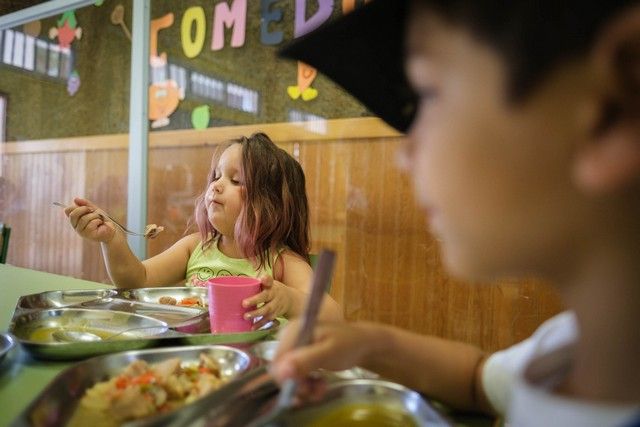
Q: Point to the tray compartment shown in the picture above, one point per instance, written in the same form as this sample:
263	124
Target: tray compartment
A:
58	401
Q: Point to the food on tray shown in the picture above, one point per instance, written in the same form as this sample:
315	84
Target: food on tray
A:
152	230
186	302
142	390
168	300
191	302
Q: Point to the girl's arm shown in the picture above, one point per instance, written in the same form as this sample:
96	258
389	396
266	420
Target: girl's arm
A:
124	268
296	273
446	370
287	296
166	268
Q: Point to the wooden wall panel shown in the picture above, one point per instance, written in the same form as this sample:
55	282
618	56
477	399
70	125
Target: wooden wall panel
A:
389	267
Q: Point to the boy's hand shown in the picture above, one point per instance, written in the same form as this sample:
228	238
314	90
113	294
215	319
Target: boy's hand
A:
88	223
335	347
277	300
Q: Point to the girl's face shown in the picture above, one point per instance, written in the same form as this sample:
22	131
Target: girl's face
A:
225	194
493	177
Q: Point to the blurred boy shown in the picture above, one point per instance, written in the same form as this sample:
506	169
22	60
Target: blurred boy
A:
524	151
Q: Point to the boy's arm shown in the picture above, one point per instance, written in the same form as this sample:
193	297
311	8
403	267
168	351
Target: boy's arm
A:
166	268
449	371
446	370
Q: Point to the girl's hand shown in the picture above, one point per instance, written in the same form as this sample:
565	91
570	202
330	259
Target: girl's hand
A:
335	346
87	222
277	300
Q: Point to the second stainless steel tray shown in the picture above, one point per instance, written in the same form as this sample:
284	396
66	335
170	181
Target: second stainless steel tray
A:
56	404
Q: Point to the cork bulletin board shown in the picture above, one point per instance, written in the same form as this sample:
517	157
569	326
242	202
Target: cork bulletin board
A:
213	63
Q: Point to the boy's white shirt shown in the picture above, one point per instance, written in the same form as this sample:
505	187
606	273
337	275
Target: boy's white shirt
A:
530	404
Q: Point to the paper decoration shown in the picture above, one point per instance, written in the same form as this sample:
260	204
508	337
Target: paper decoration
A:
193	15
350	5
306	76
117	18
67	29
200	117
267	15
156	25
235	17
164	96
32	28
73	83
302	26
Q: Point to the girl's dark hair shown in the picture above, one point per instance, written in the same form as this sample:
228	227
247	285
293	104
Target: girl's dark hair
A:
533	36
275	210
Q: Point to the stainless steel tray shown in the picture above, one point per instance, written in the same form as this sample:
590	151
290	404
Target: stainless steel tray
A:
6	344
56	404
266	351
186	325
80	350
247	400
34	331
59	299
139	301
386	402
153	295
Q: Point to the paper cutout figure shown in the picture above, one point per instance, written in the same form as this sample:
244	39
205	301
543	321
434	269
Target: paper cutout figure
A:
164	96
32	28
200	117
306	76
67	29
117	18
156	25
73	83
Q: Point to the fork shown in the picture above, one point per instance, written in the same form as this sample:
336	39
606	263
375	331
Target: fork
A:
106	216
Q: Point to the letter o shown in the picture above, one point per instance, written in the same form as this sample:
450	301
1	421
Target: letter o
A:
194	14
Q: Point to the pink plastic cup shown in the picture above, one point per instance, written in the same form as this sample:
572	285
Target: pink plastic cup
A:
226	293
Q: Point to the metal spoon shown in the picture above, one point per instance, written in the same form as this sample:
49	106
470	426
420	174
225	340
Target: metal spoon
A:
106	216
75	336
84	336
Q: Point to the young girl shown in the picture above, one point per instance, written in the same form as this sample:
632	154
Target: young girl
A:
253	221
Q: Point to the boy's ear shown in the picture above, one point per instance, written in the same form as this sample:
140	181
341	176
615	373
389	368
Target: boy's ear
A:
611	162
612	159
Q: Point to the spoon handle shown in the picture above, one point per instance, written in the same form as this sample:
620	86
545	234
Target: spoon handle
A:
319	284
105	216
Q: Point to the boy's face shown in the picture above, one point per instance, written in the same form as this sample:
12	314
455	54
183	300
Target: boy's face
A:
494	177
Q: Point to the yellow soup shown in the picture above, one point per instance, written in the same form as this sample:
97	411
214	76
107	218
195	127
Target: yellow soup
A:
364	414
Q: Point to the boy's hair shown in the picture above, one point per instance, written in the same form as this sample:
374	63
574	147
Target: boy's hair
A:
275	210
533	36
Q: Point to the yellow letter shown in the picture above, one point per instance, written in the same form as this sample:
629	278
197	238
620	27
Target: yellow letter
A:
192	48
